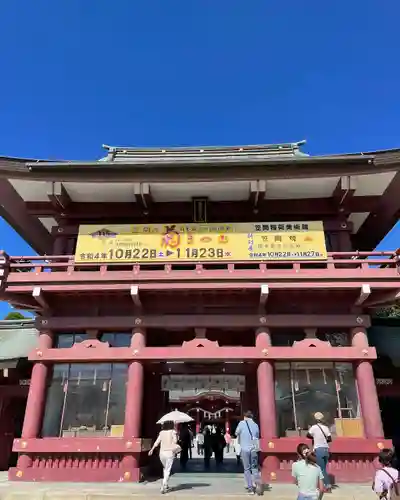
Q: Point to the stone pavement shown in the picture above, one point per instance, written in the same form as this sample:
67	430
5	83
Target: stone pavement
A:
182	488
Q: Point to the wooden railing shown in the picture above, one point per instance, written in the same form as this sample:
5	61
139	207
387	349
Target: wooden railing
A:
66	263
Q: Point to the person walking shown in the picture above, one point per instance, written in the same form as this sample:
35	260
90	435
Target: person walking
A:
200	443
321	437
228	440
218	446
236	447
307	474
207	447
191	443
248	434
185	444
169	448
386	483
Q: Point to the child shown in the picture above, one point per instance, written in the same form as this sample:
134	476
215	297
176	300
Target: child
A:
307	474
386	479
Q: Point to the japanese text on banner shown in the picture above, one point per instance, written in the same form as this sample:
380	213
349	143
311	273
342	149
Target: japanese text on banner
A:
202	242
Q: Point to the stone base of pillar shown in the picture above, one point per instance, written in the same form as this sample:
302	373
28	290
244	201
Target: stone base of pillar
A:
24	461
83	469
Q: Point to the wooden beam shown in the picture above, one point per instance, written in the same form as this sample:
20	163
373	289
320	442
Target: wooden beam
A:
79	354
135	295
238	211
264	295
365	292
382	217
143	195
104	287
40	299
224	321
13	209
383	298
330	225
257	193
58	196
343	195
23	302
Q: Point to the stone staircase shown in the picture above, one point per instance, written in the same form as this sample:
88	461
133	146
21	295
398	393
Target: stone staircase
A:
206	488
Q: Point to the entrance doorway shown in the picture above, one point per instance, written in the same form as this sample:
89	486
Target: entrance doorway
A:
215	404
12	412
390	412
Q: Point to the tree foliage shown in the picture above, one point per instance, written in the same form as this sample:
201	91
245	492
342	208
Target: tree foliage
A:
15	315
389	312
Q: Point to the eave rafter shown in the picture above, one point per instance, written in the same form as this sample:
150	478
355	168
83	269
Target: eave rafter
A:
386	212
257	193
58	197
14	210
264	294
143	196
39	297
343	194
365	292
244	210
383	298
135	296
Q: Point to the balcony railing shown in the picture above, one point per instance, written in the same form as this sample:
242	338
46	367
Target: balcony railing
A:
63	268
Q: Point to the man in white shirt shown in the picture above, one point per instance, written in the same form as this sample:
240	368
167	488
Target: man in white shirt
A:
321	437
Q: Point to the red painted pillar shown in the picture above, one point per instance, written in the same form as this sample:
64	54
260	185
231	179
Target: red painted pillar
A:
36	399
266	388
227	426
366	386
197	421
134	400
266	406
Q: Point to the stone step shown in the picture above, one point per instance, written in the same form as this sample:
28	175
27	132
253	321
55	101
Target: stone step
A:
110	496
123	492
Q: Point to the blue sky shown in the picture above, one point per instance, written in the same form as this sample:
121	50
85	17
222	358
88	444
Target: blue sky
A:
77	74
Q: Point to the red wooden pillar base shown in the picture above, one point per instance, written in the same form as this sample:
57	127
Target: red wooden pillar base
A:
269	469
367	392
36	400
133	406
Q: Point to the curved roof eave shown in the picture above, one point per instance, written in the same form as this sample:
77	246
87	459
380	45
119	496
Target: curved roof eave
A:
199	160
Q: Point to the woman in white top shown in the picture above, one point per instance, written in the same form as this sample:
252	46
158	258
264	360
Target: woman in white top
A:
168	442
386	482
321	437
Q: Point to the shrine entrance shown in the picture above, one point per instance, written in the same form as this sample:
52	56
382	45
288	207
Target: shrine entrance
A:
215	402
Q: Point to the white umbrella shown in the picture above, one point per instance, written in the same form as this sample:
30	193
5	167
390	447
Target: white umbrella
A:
178	417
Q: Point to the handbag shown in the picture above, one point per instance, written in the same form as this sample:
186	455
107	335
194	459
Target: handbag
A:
177	447
176	450
255	442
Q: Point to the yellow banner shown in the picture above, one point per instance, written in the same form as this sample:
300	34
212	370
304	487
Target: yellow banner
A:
201	242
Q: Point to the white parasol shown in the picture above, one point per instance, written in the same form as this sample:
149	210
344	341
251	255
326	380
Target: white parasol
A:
178	417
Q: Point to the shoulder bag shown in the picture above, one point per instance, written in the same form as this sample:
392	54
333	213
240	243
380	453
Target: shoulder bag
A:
328	439
395	493
255	442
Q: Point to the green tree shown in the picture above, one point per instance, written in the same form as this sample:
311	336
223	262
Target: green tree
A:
389	312
15	315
